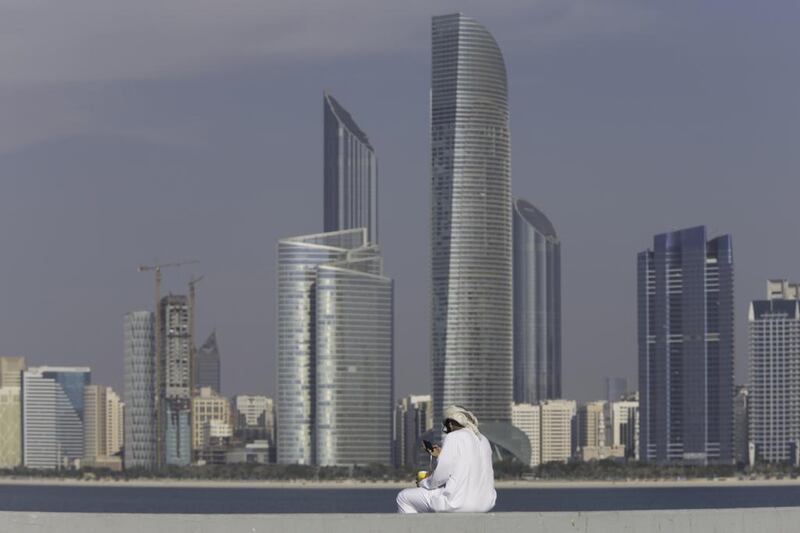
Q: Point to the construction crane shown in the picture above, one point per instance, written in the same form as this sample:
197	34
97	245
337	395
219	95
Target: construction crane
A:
193	345
157	327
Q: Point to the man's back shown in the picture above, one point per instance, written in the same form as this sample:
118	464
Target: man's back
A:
467	458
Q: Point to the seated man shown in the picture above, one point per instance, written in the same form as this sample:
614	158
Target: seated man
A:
464	479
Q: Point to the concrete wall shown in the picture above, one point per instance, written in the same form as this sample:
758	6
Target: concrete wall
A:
763	520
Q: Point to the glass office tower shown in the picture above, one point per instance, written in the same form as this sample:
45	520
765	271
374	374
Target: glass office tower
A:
685	324
334	350
350	173
52	415
139	373
470	221
537	306
355	341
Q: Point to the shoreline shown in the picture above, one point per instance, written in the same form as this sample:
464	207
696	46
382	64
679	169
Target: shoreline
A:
357	484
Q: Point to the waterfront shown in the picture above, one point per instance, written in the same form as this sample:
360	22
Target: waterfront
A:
294	498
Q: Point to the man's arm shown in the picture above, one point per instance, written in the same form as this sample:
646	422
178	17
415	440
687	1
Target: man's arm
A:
448	459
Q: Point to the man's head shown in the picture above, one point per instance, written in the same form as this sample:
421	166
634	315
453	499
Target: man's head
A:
456	417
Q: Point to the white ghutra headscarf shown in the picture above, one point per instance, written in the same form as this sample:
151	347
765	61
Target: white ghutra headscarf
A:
462	416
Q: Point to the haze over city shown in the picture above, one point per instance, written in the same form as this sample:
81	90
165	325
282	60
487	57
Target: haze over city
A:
135	132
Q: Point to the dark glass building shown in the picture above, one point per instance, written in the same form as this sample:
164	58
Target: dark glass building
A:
537	306
350	172
685	337
208	364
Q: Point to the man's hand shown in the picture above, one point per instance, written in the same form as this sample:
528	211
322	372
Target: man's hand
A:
436	450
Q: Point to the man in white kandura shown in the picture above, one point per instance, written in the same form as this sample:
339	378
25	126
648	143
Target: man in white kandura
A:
463	481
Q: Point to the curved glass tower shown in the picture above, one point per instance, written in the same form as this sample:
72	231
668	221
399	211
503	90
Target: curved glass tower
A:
537	306
470	221
350	173
140	420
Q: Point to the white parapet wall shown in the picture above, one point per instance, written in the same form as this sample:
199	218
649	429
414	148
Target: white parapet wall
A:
760	520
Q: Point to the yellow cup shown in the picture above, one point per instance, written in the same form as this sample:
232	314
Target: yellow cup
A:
422	474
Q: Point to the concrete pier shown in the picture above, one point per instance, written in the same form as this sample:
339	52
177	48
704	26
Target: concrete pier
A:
761	520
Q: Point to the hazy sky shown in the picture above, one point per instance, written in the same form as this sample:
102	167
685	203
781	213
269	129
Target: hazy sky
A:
134	130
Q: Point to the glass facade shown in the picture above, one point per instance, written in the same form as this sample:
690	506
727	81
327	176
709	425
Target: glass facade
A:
140	414
773	394
52	415
537	306
350	173
685	337
354	358
470	221
301	282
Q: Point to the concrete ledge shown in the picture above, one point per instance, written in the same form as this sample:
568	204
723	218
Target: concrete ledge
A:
761	520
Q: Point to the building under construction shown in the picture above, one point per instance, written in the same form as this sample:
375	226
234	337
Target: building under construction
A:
175	388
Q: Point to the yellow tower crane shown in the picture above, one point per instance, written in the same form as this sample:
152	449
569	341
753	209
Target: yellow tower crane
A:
157	403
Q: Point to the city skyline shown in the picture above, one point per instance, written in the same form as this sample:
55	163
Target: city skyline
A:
85	229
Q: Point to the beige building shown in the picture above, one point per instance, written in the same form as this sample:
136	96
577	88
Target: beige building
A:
556	430
208	406
625	427
528	419
11	371
102	426
10	427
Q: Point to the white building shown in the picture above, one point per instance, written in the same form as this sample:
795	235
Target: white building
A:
557	423
52	415
774	373
528	419
625	427
413	416
103	416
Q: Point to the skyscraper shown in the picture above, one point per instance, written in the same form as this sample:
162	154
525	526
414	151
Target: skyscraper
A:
176	385
350	173
52	415
355	351
470	221
207	363
774	383
140	390
335	345
537	306
685	325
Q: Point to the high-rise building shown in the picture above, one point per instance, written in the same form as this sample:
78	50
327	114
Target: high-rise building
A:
11	371
472	346
774	374
207	365
102	427
537	306
413	417
355	351
176	380
685	336
558	422
207	406
10	427
335	346
350	173
140	390
625	427
741	428
52	415
528	419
